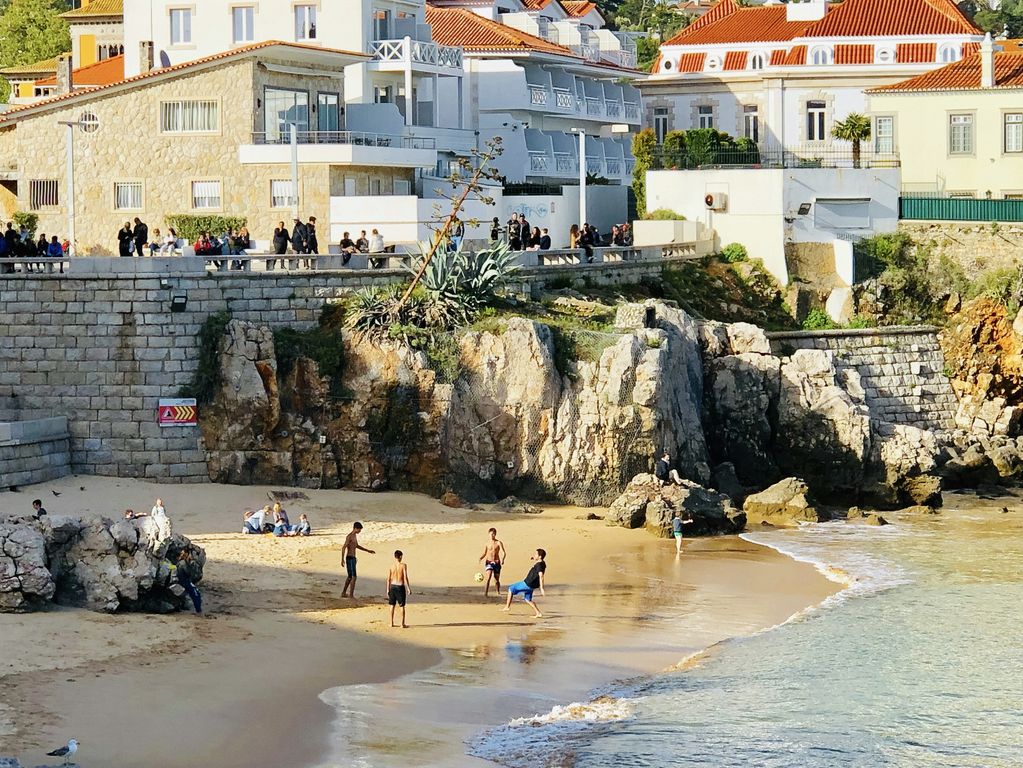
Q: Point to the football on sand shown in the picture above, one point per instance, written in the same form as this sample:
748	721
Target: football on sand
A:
479	577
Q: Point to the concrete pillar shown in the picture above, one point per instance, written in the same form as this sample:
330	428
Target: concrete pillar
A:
65	74
147	59
987	62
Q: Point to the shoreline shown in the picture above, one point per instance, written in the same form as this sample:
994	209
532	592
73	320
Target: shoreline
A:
246	685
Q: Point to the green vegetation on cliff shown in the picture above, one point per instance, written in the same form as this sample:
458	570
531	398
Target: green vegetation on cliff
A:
207	377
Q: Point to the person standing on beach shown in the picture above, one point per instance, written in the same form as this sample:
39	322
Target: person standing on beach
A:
676	530
349	553
494	555
399	588
533	580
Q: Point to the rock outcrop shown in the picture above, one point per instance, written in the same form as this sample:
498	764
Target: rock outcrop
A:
787	503
95	563
646	502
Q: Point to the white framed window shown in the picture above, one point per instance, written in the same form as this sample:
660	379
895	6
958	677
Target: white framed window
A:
243	20
660	123
751	122
127	195
350	186
381	24
884	135
383	94
305	22
192	116
402	187
181	26
705	116
816	112
1013	122
206	195
282	193
949	53
43	193
841	213
960	134
820	57
375	187
757	61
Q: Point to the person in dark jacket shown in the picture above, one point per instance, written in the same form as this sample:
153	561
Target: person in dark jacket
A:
545	240
124	238
299	237
184	571
281	240
525	232
586	242
312	245
140	235
514	233
495	230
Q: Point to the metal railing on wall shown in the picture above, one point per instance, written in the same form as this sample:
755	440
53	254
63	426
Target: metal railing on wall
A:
933	207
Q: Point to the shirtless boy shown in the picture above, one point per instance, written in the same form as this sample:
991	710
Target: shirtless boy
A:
348	555
494	554
399	588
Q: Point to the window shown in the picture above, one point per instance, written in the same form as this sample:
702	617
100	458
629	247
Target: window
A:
206	195
328	115
189	117
305	22
1014	132
282	193
383	94
948	54
839	213
820	56
381	24
815	112
960	134
660	123
350	188
181	26
43	193
127	195
243	19
757	61
705	116
375	187
751	122
402	187
884	135
282	109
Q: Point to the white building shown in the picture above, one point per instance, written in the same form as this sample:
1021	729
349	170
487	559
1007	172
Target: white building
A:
783	74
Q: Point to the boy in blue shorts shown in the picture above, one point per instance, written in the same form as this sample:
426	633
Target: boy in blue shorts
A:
533	580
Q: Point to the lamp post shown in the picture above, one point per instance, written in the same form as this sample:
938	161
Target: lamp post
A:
87	124
582	174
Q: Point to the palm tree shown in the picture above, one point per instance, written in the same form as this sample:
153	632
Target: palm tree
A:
854	128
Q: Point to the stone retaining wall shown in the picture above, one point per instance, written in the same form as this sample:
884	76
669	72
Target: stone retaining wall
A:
34	451
902	370
103	351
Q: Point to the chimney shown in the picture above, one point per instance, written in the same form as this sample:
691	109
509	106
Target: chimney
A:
65	76
987	62
146	58
805	10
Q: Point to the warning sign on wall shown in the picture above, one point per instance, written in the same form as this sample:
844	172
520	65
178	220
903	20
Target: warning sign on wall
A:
178	413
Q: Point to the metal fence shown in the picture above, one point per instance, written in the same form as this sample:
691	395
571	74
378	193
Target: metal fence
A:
942	208
751	157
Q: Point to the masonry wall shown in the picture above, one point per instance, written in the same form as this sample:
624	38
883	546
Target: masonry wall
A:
975	248
902	370
33	451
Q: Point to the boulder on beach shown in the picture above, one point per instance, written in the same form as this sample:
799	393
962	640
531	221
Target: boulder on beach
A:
875	519
513	505
787	503
646	502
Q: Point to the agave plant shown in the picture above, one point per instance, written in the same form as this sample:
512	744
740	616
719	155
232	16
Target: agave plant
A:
374	310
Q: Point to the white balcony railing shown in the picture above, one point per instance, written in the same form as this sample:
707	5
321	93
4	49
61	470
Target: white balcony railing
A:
631	110
563	98
592	106
538	96
418	52
594	166
538	162
614	166
588	52
614	108
359	138
565	164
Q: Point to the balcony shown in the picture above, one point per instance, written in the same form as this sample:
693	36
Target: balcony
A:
538	96
631	111
538	163
566	164
595	166
340	148
592	106
422	56
563	99
613	108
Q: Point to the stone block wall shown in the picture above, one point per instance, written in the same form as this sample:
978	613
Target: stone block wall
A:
901	370
34	451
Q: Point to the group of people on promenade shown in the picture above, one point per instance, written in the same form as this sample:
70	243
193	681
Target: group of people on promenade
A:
523	236
302	239
274	520
135	239
21	244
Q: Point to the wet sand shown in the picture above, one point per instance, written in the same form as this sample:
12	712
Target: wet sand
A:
242	688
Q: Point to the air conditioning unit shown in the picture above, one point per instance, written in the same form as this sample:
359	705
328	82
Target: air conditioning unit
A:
716	201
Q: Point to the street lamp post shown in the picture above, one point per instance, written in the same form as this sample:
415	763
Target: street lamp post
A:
582	174
87	123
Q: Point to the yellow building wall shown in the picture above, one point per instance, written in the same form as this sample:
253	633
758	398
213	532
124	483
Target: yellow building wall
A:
922	140
26	90
86	50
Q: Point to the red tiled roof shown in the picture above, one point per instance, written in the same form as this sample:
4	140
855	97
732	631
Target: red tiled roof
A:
854	54
15	112
970	48
796	56
963	75
103	72
462	27
736	59
916	53
717	11
691	62
578	8
755	24
778	57
656	67
870	18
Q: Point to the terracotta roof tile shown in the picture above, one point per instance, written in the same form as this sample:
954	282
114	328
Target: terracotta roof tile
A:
43	67
871	18
756	24
969	49
854	54
101	73
97	8
16	112
916	53
717	11
736	59
778	57
691	62
796	56
462	27
577	8
963	75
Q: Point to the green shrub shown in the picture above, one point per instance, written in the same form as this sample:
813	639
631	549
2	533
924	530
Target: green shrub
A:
860	322
190	226
818	320
734	253
29	221
664	214
206	380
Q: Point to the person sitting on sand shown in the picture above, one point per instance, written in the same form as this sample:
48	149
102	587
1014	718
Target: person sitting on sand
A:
664	472
281	522
303	528
494	554
399	588
349	553
252	522
533	580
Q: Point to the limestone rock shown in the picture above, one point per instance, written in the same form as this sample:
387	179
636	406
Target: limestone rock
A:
786	503
724	479
512	505
646	502
875	519
25	581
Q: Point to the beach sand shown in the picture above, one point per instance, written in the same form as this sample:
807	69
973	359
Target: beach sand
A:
243	687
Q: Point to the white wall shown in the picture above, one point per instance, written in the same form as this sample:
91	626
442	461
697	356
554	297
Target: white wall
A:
404	219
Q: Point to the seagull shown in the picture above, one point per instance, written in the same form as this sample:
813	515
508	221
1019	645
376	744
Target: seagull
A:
65	752
55	493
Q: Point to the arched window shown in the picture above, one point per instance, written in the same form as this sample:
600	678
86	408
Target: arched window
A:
757	61
820	57
948	53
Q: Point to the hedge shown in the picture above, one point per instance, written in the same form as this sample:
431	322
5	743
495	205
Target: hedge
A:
190	226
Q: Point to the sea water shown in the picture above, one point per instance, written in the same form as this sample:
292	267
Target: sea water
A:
919	662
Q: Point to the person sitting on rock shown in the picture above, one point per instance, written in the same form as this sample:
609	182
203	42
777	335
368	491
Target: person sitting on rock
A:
664	472
252	522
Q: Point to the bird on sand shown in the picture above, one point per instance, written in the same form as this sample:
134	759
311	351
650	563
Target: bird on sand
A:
66	751
1005	510
55	493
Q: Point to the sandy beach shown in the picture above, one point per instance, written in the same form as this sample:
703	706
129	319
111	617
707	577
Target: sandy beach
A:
243	687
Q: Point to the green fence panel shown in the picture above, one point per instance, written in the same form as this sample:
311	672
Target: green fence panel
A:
959	209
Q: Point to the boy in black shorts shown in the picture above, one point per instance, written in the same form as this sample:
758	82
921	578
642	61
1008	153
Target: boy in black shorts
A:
398	587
